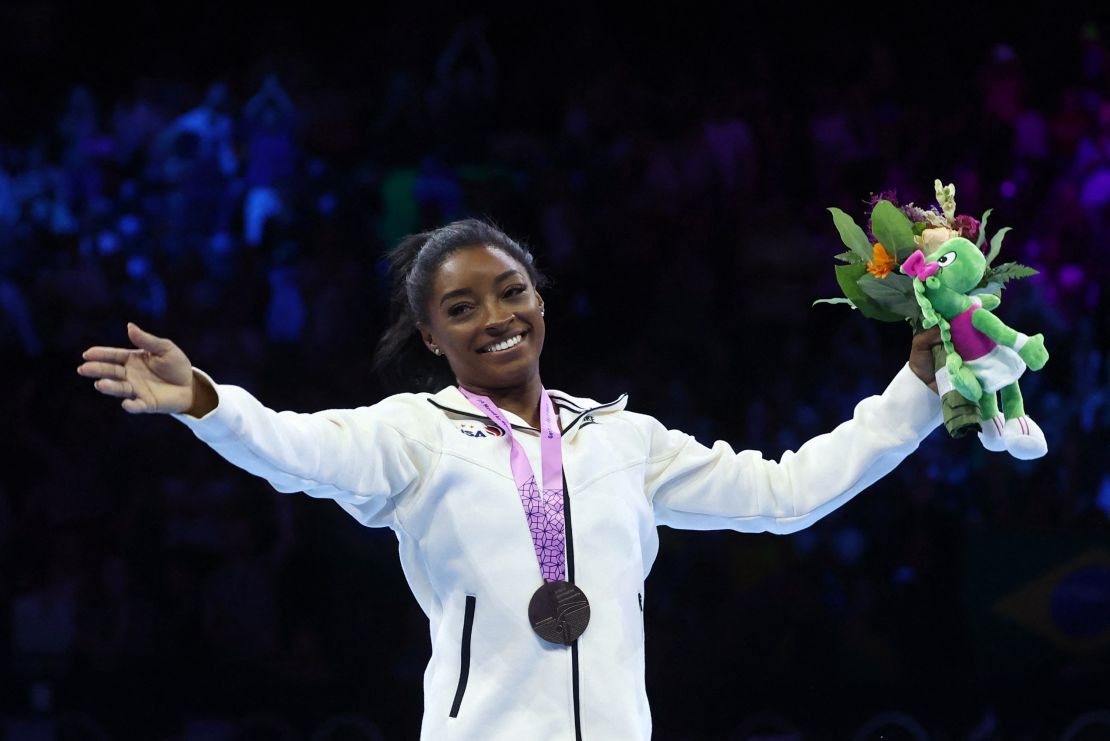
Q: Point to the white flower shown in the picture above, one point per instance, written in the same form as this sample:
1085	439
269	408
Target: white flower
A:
933	237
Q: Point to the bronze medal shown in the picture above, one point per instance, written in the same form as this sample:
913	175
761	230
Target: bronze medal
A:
559	612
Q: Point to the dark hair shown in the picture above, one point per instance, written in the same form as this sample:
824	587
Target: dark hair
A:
401	359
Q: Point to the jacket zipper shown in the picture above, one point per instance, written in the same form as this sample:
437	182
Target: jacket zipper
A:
570	578
464	664
468	621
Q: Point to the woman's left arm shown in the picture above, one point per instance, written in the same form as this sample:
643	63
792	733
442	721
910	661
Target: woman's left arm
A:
695	487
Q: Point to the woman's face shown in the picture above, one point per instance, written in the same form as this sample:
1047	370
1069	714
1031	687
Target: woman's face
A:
485	316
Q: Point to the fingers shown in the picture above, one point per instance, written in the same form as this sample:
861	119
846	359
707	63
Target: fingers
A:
929	335
108	354
134	406
102	370
119	389
927	338
147	341
142	339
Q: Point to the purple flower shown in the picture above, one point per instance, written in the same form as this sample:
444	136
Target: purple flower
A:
886	195
967	226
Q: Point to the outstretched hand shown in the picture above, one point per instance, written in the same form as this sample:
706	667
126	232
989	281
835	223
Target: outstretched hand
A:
921	356
155	377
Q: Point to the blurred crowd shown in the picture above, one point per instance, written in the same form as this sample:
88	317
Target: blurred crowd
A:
146	584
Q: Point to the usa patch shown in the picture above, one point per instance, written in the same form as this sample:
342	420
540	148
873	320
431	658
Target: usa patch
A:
479	429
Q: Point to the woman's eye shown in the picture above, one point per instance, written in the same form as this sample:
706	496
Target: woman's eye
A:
947	260
458	309
514	291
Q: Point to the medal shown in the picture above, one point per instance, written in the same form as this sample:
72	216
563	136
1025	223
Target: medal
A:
559	612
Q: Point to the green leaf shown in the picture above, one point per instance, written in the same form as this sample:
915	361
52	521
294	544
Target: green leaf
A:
893	230
988	289
996	244
1006	272
983	227
849	257
893	294
850	233
833	301
919	228
848	276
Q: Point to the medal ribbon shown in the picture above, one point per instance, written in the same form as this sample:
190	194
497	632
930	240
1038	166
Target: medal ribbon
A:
543	507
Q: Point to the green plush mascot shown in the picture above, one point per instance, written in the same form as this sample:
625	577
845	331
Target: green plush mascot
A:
984	355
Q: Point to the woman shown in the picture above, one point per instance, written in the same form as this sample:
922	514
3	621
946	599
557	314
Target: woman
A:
516	652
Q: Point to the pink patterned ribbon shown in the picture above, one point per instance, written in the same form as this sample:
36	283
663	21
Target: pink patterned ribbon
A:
543	507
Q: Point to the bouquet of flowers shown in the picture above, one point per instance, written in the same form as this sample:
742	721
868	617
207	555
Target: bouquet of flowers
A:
876	279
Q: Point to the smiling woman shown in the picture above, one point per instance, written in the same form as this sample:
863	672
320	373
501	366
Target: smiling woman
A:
512	502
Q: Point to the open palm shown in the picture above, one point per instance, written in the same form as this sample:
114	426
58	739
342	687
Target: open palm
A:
153	377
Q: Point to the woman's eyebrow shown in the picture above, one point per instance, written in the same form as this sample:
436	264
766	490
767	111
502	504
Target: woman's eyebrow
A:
506	274
455	293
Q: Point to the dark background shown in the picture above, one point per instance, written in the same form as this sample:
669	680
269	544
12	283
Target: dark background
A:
671	169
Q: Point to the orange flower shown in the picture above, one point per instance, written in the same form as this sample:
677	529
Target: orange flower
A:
881	262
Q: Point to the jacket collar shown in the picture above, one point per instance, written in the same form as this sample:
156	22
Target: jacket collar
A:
572	409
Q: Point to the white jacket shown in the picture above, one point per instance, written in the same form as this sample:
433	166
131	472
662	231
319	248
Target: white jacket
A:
436	471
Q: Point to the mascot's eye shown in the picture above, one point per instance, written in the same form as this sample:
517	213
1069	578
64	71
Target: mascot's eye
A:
947	260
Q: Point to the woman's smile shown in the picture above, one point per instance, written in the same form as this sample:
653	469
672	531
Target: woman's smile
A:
502	346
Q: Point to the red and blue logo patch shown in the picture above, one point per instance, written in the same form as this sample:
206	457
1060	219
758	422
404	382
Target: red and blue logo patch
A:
474	428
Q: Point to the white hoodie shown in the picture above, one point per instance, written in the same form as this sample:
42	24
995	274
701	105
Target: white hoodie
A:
436	471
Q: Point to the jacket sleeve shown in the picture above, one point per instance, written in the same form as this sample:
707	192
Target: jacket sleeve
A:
694	487
362	458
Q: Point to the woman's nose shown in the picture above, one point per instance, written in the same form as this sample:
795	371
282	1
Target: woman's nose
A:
498	320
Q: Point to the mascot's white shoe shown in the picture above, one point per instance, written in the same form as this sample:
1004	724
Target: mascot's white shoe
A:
991	433
1024	439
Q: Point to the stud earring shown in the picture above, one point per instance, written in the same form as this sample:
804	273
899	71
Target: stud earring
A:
434	349
541	309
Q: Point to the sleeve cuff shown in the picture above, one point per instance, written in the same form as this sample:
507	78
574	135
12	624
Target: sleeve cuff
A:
916	406
216	425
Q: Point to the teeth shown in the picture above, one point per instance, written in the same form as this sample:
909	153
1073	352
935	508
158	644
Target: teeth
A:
504	345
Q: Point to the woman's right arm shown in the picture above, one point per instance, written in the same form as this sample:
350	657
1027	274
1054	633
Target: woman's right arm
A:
360	457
